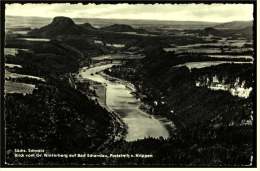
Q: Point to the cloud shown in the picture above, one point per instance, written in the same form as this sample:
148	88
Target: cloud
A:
184	12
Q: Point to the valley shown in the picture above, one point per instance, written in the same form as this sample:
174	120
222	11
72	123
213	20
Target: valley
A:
182	92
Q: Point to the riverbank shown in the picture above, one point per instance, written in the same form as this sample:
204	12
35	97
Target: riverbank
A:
119	128
120	98
212	126
145	107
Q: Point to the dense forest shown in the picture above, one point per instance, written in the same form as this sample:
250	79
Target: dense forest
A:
55	116
216	117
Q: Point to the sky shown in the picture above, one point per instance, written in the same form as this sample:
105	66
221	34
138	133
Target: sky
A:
178	12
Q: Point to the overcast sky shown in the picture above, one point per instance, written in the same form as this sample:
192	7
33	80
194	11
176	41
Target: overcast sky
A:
179	12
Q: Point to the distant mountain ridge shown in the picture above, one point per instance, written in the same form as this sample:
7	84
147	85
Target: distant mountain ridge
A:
234	25
246	32
66	26
41	21
36	22
244	28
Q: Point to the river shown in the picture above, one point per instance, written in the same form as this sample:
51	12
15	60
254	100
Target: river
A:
121	100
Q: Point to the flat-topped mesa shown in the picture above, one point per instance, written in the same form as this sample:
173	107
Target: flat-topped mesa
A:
61	21
58	26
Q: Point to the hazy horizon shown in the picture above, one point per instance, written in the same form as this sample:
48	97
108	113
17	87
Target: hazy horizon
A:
216	13
130	19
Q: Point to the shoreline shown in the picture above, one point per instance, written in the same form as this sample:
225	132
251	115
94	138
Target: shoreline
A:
165	122
170	126
119	131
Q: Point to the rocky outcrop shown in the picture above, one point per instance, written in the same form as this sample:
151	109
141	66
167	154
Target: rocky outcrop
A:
59	26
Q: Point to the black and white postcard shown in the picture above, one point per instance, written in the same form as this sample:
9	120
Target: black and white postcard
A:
115	84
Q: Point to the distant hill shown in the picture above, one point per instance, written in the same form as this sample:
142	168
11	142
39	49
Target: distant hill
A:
234	25
119	28
88	26
122	28
246	29
213	31
246	32
61	26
